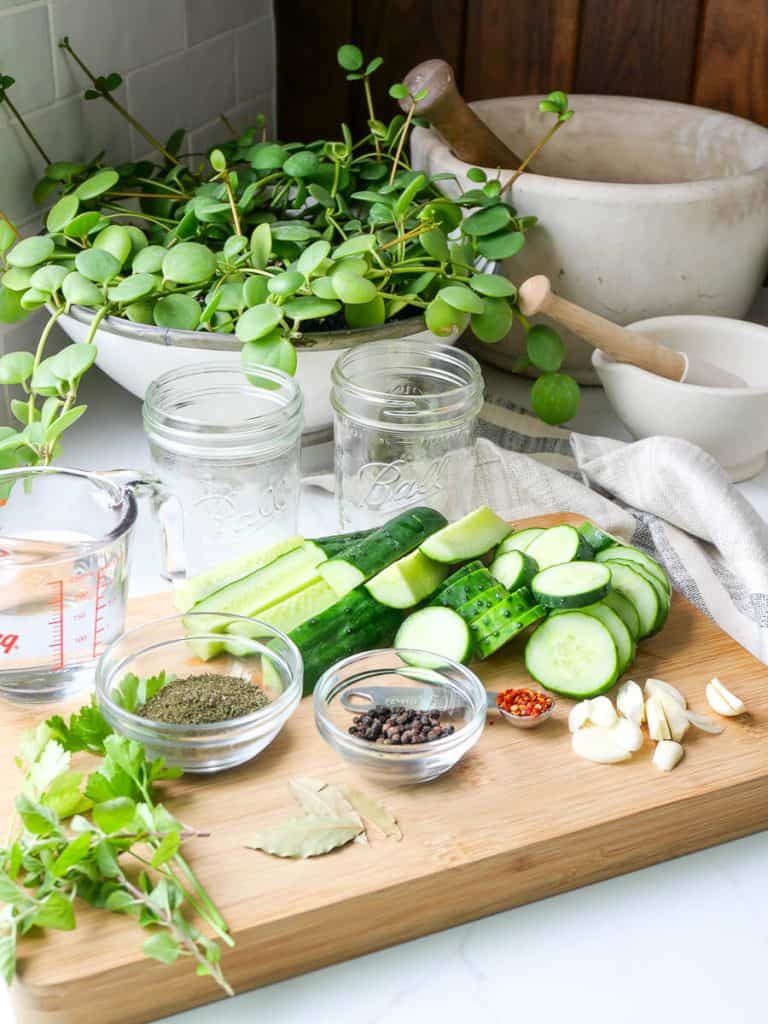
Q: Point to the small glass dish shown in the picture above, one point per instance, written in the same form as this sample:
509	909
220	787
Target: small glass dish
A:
266	657
451	688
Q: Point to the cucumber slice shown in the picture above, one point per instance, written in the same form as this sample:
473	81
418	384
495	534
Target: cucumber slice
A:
336	542
441	631
290	612
365	558
625	610
624	553
514	569
661	593
470	537
558	545
484	600
189	592
572	585
627	581
408	581
573	654
520	540
465	570
465	588
501	623
597	539
621	635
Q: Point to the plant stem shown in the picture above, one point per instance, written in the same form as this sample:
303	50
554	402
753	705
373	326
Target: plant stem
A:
39	353
232	203
229	126
420	230
401	140
536	149
10	224
371	115
64	45
25	128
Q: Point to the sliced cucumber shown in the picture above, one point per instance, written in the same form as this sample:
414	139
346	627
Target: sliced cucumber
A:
484	600
621	635
624	553
362	560
558	545
465	588
470	537
189	592
597	539
573	654
336	542
290	612
459	574
501	624
661	593
625	610
441	631
407	582
640	592
514	569
571	585
520	540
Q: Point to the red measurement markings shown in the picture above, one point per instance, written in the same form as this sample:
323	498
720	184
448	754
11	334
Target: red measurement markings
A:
56	621
99	606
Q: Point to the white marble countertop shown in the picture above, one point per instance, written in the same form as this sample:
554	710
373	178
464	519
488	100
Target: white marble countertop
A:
682	939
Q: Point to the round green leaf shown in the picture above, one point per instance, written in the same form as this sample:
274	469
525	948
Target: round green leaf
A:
313	256
309	307
11	309
31	252
352	288
257	322
217	160
63	170
7	235
555	398
273	350
139	240
435	244
350	57
80	225
49	278
16	367
398	91
501	246
72	362
443	319
366	314
295	232
231	297
476	174
487	222
189	263
355	264
115	239
261	246
133	288
179	311
323	288
98	184
266	155
463	298
33	299
97	265
149	260
286	283
494	323
140	312
493	285
61	213
17	279
301	164
44	381
255	290
79	291
545	348
234	246
354	245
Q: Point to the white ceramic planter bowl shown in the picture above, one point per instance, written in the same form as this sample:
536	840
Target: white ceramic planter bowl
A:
729	423
646	208
135	354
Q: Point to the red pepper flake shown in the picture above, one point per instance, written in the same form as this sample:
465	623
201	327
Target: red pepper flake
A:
524	702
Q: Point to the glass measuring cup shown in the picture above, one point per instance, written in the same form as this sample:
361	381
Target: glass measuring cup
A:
64	545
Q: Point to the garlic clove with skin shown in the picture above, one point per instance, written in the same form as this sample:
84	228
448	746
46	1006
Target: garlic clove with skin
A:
668	753
723	701
658	688
630	703
705	723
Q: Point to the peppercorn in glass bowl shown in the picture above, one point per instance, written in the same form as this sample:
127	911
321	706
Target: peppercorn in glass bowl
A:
202	699
397	722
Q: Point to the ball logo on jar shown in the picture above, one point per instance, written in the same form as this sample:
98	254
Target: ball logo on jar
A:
221	507
400	483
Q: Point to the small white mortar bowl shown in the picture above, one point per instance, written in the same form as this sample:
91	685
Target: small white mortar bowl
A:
729	423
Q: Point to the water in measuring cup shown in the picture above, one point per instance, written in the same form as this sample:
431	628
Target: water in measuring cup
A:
61	603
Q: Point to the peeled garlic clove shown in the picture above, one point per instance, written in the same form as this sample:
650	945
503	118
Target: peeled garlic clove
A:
668	753
627	734
630	703
677	717
658	727
598	744
723	701
657	687
603	712
579	716
705	723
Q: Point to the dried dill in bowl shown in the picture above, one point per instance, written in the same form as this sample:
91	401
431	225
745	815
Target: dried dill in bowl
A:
197	699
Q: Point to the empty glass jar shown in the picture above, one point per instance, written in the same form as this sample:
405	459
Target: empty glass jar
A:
404	426
228	449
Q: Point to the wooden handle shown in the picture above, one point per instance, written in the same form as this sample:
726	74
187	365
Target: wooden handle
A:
536	296
470	138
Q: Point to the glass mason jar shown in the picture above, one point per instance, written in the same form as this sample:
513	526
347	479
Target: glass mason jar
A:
404	425
227	447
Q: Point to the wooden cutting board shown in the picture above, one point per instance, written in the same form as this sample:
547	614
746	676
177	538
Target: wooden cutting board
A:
519	819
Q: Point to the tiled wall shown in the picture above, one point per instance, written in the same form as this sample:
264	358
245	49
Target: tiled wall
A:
183	63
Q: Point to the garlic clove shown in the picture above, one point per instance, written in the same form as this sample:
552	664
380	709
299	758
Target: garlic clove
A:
598	744
676	716
630	703
705	723
658	727
602	712
723	701
579	716
668	753
627	734
657	687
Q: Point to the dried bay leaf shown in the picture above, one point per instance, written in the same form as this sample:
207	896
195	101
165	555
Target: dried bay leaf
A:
372	811
309	836
321	798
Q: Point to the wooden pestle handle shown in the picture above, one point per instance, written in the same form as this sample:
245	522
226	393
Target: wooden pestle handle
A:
470	138
624	346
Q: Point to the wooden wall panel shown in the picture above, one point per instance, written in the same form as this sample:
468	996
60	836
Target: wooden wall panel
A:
515	47
632	48
732	66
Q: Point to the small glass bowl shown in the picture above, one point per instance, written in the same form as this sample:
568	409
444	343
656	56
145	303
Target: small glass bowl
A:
451	688
266	657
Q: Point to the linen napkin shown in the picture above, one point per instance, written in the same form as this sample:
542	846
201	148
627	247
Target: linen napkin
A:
662	494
